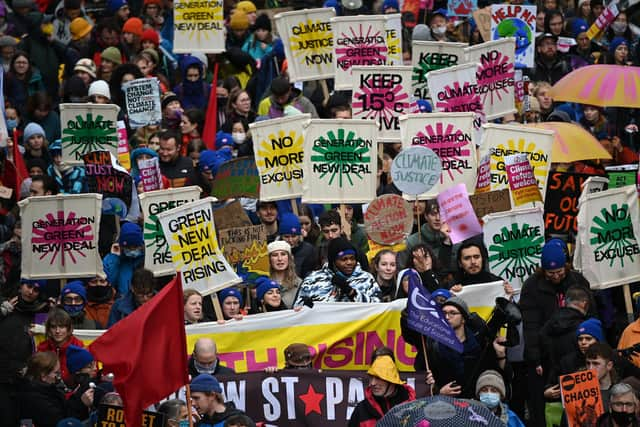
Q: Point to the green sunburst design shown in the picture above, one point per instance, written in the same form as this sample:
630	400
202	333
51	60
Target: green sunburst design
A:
352	151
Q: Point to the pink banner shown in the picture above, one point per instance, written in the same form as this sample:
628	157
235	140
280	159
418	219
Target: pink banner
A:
150	174
458	213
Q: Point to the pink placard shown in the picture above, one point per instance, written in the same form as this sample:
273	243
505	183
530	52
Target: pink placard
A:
456	210
150	174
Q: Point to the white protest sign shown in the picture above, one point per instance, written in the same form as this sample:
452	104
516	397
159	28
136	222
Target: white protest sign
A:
198	26
142	97
393	33
416	170
87	128
516	21
429	56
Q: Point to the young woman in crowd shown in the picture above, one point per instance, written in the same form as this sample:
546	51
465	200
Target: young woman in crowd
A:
268	296
59	333
192	306
282	269
385	270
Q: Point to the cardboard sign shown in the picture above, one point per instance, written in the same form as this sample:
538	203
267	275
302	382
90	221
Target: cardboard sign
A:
561	202
237	178
231	215
607	251
142	98
429	56
340	161
150	173
308	43
416	170
246	250
457	212
198	27
462	7
581	398
450	136
113	416
490	202
357	40
483	21
522	181
87	128
60	236
157	256
514	242
106	177
516	21
388	219
495	76
279	149
382	94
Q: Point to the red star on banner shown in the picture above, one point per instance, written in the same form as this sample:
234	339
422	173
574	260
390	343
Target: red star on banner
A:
312	401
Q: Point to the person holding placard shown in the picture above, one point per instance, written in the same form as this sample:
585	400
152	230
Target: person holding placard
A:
435	234
232	304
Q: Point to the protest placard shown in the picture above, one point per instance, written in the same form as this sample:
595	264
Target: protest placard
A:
237	178
190	233
561	202
516	21
245	248
198	27
87	128
607	251
113	416
393	33
382	94
514	242
482	297
428	56
522	181
279	148
602	21
483	182
357	40
495	75
622	175
483	21
581	398
150	174
388	219
457	212
106	177
60	236
308	43
142	98
157	256
416	170
124	156
450	136
231	215
490	202
462	8
341	161
503	140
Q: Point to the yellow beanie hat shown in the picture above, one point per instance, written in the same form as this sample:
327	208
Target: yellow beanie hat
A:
384	368
239	21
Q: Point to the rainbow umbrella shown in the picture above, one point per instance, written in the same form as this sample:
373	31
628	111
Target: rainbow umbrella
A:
601	85
572	142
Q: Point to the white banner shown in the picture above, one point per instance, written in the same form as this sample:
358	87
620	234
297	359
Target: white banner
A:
514	242
142	97
481	297
308	43
357	40
341	161
607	251
495	75
430	56
450	136
516	21
503	140
278	149
86	128
60	236
198	27
157	256
382	94
393	31
191	235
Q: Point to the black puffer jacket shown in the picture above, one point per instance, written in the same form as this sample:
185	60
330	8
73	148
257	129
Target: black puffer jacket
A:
41	402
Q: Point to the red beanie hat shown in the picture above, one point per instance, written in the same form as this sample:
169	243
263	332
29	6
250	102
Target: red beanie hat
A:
151	35
133	26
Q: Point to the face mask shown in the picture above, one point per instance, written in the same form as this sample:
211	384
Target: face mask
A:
183	423
74	310
12	124
619	27
439	31
239	137
132	253
491	400
205	369
622	418
98	293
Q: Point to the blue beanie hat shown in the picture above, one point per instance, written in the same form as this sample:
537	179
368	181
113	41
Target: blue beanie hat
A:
131	235
70	422
34	129
230	292
263	285
424	106
591	326
553	255
617	41
207	161
75	287
390	4
289	224
334	4
36	283
205	383
222	139
441	293
77	358
114	5
55	147
578	26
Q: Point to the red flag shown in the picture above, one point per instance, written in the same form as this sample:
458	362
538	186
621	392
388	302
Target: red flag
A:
147	352
211	118
21	169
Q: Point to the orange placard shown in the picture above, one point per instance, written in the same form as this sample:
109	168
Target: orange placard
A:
581	398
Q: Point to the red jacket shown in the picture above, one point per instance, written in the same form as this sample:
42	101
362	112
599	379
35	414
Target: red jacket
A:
371	409
61	351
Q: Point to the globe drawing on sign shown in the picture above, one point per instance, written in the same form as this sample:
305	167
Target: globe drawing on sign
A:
515	28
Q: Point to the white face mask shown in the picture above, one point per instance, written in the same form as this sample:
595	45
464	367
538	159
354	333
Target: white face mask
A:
439	30
619	27
239	137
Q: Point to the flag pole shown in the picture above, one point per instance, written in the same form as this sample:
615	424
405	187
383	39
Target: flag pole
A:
627	302
426	361
419	229
189	405
216	306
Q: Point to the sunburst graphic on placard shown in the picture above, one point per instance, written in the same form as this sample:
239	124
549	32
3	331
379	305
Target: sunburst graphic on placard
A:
275	156
611	234
311	39
65	237
339	152
209	12
369	40
370	99
488	77
449	143
202	249
393	45
537	158
458	96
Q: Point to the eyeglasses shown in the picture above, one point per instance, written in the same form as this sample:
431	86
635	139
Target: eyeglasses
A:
450	313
